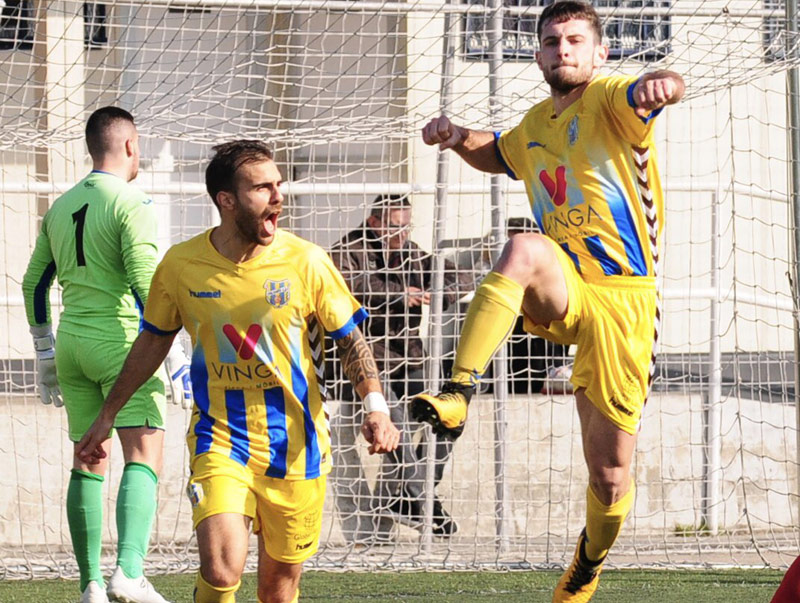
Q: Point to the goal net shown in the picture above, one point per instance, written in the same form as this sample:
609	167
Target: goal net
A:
341	89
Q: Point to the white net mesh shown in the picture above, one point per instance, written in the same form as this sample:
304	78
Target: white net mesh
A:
341	89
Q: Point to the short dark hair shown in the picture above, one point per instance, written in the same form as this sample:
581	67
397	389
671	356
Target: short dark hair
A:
98	126
228	158
384	203
559	12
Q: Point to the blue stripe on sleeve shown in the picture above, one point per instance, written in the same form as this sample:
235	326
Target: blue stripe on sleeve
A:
573	256
199	374
41	292
237	425
598	251
632	104
345	330
276	431
500	157
147	326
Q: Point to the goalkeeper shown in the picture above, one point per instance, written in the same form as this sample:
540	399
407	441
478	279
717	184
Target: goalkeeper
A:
257	301
98	239
588	160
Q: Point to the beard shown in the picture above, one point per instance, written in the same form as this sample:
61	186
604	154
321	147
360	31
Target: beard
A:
565	82
248	223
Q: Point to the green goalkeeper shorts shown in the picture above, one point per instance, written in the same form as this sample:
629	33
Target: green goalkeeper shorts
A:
87	368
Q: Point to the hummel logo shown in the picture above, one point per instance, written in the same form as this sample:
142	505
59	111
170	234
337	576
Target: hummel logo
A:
205	293
533	144
301	547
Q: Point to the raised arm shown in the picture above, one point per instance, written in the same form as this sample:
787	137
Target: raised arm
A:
656	90
146	355
360	368
476	147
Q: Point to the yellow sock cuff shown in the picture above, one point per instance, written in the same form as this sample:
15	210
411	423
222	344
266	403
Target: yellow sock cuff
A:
206	593
604	522
502	290
621	508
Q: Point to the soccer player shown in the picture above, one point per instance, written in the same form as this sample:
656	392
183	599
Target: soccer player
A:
587	157
98	239
256	301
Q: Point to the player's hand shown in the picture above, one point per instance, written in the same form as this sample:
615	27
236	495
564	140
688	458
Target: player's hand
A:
654	91
417	297
90	448
46	378
380	432
178	371
443	132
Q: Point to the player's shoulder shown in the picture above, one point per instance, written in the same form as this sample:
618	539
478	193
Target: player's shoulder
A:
192	248
297	246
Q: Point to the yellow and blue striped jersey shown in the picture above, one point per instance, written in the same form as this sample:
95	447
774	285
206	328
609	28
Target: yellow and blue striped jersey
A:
592	179
257	333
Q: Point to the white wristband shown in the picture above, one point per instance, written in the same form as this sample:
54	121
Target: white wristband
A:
375	402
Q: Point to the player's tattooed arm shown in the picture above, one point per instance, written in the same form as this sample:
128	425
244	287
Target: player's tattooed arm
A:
358	363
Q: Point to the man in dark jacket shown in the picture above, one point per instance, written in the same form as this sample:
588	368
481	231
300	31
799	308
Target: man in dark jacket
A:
393	277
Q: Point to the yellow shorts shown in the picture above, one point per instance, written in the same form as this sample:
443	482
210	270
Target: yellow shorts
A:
612	323
288	513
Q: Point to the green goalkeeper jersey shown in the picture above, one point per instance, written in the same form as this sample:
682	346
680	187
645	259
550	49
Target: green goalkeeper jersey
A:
99	240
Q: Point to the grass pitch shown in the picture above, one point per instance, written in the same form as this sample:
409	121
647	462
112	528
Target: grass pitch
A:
617	586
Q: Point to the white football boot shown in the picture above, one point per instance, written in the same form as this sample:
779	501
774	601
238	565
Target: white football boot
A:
132	590
94	593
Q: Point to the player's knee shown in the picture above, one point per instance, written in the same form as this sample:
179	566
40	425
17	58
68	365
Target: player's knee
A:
524	255
219	574
609	483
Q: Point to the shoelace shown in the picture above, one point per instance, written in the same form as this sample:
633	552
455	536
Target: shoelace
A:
580	576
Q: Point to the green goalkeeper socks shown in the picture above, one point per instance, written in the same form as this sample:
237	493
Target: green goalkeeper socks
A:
136	507
85	517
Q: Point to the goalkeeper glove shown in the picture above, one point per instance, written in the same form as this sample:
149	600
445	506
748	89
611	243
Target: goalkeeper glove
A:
180	381
46	378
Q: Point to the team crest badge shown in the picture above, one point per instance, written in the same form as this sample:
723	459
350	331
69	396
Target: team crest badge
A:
572	131
278	292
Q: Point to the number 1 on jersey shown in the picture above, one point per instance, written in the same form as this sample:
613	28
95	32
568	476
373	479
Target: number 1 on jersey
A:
79	218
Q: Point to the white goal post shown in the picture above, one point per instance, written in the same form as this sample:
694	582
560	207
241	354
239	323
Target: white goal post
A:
341	89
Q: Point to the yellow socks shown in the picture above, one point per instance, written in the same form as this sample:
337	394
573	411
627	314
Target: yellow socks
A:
490	320
604	522
205	593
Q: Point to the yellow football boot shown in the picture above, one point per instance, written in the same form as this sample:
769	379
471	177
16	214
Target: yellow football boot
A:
447	411
579	582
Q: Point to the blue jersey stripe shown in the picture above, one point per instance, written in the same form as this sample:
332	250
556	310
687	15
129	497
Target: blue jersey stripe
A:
598	251
199	374
237	425
300	389
626	227
347	328
41	292
276	431
139	308
572	255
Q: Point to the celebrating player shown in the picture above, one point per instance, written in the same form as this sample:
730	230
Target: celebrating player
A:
99	240
255	300
587	157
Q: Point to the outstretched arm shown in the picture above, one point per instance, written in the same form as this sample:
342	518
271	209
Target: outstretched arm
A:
656	90
476	147
146	355
360	368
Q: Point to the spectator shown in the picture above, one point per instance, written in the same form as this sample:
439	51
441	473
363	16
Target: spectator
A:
393	277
